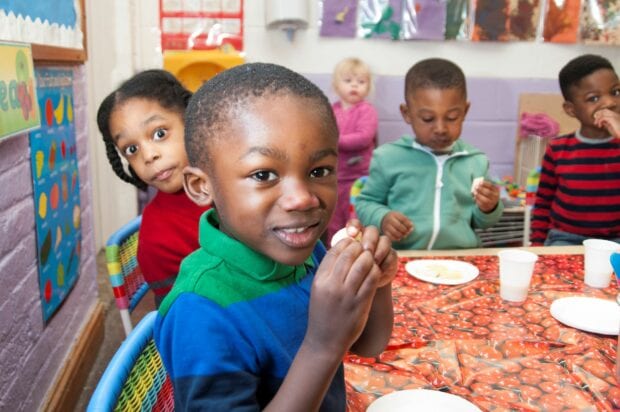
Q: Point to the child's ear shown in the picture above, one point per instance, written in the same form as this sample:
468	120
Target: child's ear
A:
404	112
197	186
467	106
569	108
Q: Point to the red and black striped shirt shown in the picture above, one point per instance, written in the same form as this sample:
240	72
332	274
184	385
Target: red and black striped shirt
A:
579	189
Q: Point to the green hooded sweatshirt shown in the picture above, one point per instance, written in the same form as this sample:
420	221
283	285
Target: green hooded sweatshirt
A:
434	194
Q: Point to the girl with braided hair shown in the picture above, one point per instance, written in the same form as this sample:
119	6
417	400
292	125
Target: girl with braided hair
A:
142	125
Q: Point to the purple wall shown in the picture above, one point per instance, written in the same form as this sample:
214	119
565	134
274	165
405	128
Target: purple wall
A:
31	353
491	123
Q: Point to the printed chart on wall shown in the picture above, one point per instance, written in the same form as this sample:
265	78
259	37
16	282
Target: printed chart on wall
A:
56	188
18	101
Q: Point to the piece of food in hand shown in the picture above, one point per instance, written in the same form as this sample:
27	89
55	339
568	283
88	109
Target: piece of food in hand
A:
477	182
343	234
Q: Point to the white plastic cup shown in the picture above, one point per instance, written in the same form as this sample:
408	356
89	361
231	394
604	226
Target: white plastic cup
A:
515	273
597	267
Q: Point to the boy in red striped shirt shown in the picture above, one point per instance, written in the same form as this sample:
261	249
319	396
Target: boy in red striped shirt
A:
578	195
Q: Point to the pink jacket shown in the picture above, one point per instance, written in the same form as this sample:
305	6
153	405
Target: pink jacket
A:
358	130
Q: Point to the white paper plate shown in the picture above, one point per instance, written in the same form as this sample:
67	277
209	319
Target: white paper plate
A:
588	314
421	400
442	272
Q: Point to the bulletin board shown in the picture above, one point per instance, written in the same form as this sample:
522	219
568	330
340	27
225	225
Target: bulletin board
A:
55	29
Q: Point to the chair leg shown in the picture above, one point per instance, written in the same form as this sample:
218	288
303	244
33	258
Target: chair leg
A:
127	325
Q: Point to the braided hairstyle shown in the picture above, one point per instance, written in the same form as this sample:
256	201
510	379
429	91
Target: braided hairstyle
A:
157	85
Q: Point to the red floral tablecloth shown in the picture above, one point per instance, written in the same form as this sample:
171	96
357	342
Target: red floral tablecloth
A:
501	356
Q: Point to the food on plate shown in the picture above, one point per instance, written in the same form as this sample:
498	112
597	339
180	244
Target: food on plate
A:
441	271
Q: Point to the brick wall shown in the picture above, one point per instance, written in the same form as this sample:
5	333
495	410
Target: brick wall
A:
31	353
491	123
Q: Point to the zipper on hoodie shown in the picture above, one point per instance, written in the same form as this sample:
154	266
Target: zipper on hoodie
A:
438	186
437	202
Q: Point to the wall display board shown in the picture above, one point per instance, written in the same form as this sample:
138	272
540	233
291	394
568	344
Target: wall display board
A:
557	21
201	24
54	28
19	110
56	188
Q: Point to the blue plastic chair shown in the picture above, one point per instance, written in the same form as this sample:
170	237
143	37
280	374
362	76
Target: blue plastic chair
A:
135	378
125	275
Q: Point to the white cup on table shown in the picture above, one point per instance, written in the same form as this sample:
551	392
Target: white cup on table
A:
515	273
597	267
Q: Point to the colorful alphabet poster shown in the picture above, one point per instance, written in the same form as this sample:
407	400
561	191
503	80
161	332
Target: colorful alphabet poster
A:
56	188
19	111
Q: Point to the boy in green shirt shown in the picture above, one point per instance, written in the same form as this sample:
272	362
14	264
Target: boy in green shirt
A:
261	316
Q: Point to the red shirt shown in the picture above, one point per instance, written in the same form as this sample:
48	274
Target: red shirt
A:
168	233
579	190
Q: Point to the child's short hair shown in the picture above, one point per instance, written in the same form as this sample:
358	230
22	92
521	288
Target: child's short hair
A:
156	85
434	74
352	65
212	107
578	68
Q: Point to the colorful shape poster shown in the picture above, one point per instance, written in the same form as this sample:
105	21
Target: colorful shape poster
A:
56	189
18	100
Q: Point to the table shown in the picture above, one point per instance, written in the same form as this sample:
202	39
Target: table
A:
501	356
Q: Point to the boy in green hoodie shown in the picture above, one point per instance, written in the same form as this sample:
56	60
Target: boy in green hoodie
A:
432	190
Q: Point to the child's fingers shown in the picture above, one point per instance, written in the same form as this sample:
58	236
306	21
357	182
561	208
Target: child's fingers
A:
487	190
486	187
408	224
351	270
609	120
384	247
331	257
363	275
402	224
354	227
347	257
486	203
370	237
389	267
370	282
394	233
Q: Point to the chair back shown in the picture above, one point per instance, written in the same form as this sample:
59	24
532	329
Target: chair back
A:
135	378
126	278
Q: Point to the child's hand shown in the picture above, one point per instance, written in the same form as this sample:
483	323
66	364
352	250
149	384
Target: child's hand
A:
396	226
486	196
609	120
380	247
343	289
